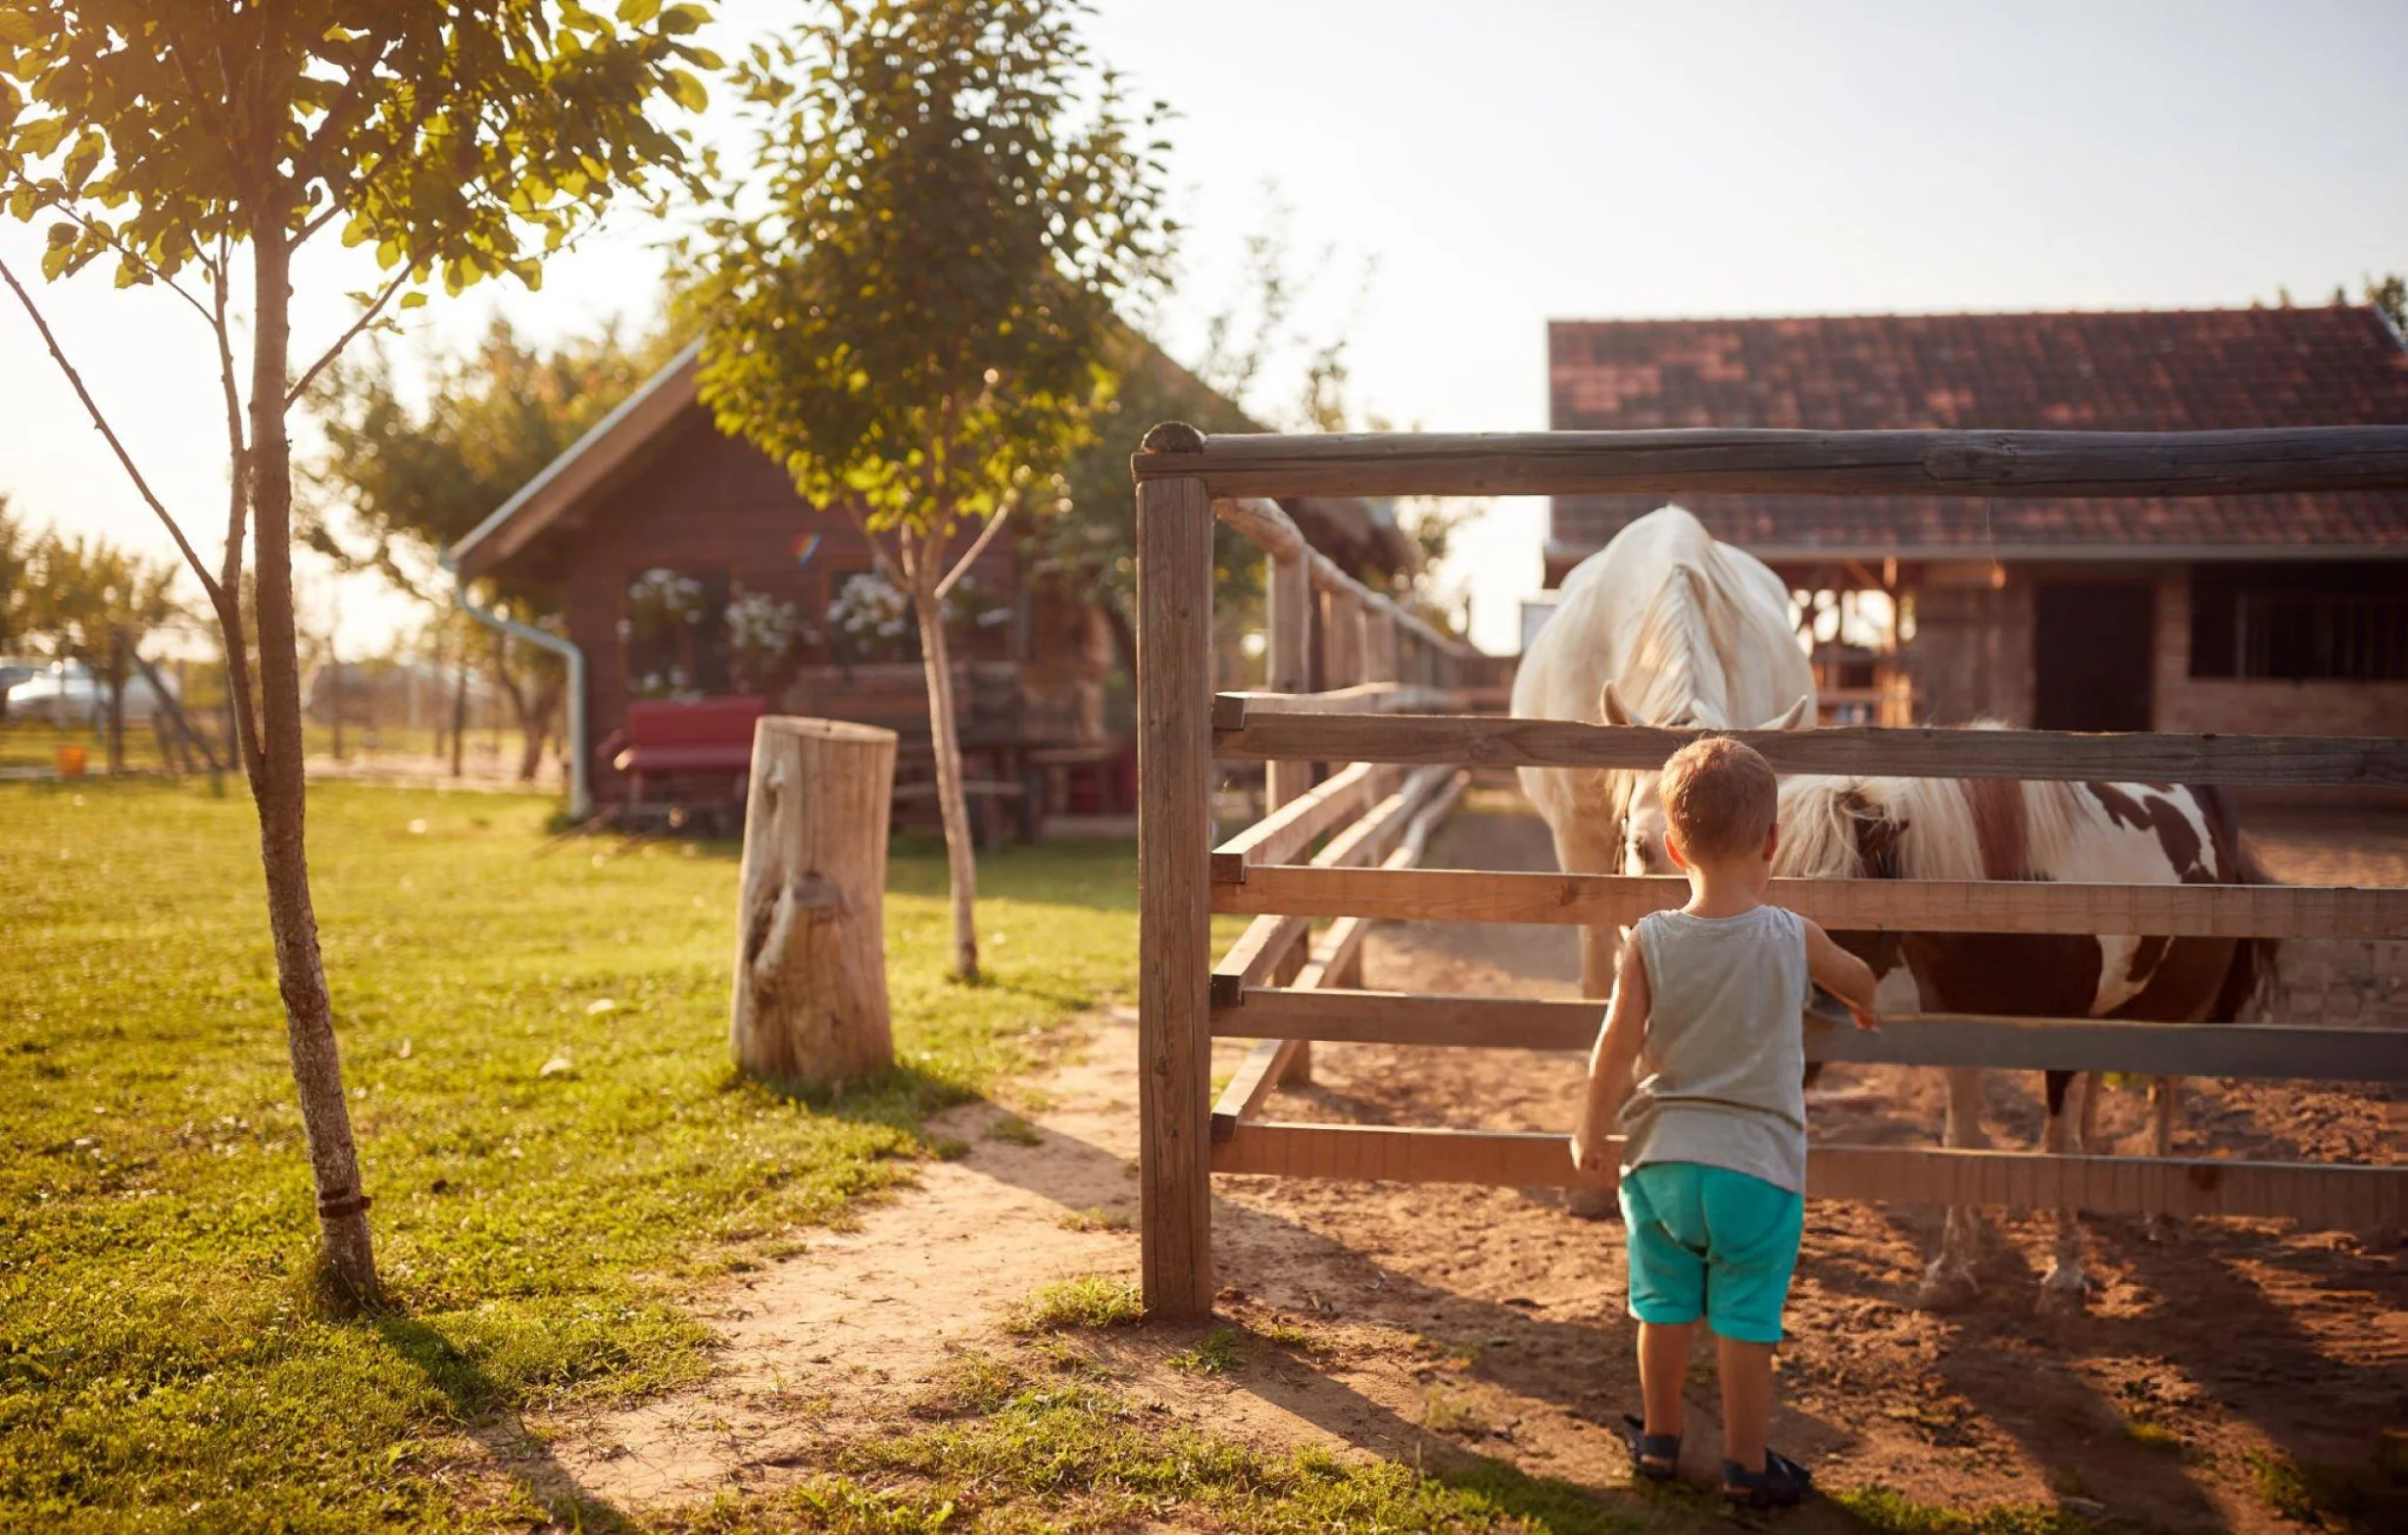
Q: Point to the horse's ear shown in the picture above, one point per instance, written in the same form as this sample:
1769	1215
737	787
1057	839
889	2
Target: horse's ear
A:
1793	717
1609	706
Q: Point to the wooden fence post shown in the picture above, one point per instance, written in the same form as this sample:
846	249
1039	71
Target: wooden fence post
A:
809	997
1291	671
1174	835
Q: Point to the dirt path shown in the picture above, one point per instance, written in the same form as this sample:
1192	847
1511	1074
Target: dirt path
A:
1422	1319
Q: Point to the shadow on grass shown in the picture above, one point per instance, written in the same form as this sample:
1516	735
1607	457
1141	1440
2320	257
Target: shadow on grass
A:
476	1406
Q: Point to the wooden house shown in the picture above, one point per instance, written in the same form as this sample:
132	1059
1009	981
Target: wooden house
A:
2264	613
689	568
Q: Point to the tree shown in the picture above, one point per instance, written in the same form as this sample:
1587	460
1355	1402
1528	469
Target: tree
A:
398	484
85	595
16	564
917	320
454	142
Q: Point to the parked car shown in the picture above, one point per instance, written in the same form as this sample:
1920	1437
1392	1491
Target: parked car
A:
66	693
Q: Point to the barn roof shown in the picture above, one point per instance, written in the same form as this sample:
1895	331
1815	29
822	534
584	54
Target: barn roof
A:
1353	531
2146	371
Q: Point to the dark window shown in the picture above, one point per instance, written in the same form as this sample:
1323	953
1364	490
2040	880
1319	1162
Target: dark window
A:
674	627
2337	622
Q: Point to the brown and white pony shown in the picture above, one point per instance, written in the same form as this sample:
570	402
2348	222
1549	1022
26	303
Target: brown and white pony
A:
2092	833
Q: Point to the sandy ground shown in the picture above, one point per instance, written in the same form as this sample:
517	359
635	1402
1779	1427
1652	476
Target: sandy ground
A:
1421	1322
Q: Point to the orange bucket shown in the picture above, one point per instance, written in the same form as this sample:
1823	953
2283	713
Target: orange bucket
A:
71	761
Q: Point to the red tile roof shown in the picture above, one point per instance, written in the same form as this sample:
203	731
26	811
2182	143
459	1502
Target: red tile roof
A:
2157	371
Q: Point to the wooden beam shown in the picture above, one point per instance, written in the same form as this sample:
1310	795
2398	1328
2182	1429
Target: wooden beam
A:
1291	828
1288	602
1850	751
2345	1198
1174	838
1257	1077
1258	953
1463	895
1763	461
1270	529
2250	1050
1230	710
1384	826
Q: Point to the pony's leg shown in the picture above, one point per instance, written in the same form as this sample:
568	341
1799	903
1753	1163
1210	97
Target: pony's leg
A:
1949	1281
2094	1084
2065	1283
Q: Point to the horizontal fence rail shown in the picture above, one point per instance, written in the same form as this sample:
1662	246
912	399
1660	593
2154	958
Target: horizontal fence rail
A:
1264	525
1696	462
1851	751
1933	1039
1472	895
2314	1194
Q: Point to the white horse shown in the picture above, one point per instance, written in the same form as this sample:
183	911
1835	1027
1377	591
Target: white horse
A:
1662	627
2106	833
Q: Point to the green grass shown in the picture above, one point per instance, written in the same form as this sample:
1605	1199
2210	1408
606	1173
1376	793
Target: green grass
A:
1086	1301
1892	1512
1082	1457
162	1360
1094	1217
1217	1355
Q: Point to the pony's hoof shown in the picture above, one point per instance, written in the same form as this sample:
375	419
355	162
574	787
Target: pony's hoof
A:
2064	1288
1946	1287
1593	1205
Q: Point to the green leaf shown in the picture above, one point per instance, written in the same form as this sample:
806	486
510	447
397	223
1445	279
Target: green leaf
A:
411	299
635	12
687	91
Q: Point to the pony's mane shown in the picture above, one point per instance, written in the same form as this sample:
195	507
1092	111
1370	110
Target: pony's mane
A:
1947	828
1674	653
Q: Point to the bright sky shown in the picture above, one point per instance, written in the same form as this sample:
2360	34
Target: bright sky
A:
1513	161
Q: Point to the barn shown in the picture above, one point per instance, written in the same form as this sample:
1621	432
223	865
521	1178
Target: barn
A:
691	572
2267	615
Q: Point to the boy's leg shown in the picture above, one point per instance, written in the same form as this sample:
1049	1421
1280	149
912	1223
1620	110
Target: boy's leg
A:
1746	1371
1663	1362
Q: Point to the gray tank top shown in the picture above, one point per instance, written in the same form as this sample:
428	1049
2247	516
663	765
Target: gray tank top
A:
1722	1074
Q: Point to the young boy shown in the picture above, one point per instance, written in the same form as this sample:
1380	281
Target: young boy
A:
1707	1002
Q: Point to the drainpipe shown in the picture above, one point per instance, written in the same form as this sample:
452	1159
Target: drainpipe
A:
580	770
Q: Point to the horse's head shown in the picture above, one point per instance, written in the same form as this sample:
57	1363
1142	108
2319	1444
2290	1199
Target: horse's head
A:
1832	829
1641	810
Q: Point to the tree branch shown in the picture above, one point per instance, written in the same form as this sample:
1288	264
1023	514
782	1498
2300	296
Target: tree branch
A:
191	557
978	545
125	252
368	318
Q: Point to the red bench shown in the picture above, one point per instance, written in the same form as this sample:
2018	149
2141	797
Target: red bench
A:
712	738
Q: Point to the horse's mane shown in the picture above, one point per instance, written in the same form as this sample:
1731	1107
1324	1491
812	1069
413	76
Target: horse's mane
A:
1945	828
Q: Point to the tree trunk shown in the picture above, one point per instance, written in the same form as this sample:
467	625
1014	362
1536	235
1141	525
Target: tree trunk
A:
960	852
460	709
117	699
278	790
810	998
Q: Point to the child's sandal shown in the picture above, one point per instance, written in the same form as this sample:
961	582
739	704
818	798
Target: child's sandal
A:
1655	1457
1782	1484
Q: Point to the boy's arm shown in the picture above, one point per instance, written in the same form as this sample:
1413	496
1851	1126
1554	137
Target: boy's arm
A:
1610	1061
1842	974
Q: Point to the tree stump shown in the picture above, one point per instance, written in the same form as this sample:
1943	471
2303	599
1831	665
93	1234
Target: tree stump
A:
811	1006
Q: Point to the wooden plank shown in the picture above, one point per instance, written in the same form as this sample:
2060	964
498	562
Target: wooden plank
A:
1462	895
1174	835
1291	827
2313	1196
1288	603
1267	527
1766	462
1389	697
1264	1069
1937	1039
1259	951
1380	830
1851	750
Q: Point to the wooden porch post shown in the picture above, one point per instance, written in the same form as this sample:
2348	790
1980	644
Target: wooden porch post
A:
1174	838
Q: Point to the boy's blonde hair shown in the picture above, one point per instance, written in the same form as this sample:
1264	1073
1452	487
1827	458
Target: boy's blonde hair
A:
1720	798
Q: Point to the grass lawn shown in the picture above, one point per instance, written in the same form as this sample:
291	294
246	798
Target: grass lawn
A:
533	1036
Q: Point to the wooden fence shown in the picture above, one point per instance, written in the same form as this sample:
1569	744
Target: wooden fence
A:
1281	985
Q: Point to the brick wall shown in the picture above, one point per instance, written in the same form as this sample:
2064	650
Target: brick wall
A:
2259	705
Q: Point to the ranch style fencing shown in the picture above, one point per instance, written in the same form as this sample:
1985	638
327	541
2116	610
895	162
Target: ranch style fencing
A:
1381	815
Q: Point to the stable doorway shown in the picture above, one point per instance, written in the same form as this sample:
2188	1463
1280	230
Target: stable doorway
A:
2093	656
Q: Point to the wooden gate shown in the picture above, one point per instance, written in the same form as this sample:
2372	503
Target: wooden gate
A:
1376	818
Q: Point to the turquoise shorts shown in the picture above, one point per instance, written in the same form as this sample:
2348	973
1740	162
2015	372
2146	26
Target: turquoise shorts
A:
1713	1243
